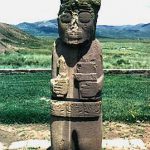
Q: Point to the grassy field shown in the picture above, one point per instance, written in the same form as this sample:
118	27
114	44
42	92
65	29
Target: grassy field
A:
37	57
117	54
127	54
24	98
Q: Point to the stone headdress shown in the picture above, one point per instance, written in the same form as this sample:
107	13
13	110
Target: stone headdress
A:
91	2
94	4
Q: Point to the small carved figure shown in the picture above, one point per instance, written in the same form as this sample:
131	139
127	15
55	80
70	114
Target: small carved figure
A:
61	82
77	78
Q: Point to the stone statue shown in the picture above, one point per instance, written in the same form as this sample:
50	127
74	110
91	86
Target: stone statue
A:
77	78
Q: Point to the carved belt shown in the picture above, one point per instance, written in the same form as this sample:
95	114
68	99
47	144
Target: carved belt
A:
75	109
94	99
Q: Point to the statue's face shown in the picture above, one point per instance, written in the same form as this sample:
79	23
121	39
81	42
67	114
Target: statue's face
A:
76	26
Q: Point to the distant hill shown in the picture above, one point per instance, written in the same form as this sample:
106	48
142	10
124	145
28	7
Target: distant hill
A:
127	31
49	28
42	28
12	37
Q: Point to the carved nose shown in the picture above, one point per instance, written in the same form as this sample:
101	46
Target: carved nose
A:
74	24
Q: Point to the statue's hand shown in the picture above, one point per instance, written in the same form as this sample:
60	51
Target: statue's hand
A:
88	89
60	86
91	88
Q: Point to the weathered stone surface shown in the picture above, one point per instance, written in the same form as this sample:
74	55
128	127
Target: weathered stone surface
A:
91	55
86	67
88	89
2	147
86	77
60	84
76	109
77	78
113	144
76	133
116	143
137	144
123	144
96	2
30	144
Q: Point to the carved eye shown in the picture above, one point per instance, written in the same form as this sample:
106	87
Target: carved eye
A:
66	17
85	17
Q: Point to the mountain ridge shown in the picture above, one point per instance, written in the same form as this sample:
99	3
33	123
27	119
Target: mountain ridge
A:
41	28
50	28
11	38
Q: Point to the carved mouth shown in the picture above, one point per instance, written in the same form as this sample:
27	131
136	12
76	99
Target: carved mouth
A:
74	35
74	38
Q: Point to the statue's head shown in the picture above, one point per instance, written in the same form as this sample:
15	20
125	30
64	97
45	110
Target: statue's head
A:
77	20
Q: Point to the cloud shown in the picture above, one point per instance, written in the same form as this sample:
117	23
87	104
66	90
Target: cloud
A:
118	12
15	11
113	12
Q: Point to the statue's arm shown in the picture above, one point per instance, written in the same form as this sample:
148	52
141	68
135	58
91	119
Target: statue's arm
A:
100	79
54	62
93	87
59	81
100	82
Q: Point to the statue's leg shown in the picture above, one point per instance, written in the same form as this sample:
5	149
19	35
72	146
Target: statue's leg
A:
60	134
87	134
81	132
76	134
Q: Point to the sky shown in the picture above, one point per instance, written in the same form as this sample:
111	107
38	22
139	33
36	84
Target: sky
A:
113	12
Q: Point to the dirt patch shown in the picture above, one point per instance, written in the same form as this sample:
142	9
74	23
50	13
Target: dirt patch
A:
6	137
16	132
146	137
111	130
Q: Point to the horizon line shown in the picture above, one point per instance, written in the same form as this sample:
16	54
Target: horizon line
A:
98	24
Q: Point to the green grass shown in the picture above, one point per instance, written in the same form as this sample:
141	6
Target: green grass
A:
37	57
24	98
126	98
127	54
117	54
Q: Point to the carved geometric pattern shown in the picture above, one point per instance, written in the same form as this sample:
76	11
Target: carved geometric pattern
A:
75	109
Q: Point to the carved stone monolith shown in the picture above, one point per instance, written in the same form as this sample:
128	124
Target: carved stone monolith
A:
77	78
